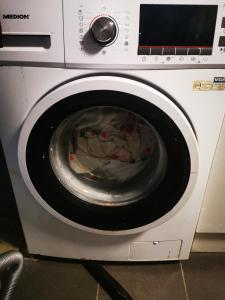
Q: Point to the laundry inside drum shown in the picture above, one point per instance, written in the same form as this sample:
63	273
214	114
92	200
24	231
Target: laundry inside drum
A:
108	156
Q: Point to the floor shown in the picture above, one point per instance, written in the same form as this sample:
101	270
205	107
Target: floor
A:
201	277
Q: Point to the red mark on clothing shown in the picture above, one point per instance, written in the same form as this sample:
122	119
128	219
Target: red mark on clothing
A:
114	156
72	157
105	135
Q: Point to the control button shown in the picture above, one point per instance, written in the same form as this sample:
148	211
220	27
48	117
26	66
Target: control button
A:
143	51
181	51
222	41
223	22
193	51
206	51
104	30
168	51
156	51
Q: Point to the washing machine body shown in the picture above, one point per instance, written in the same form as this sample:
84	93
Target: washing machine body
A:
109	147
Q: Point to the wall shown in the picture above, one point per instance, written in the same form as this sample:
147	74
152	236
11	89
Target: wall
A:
212	217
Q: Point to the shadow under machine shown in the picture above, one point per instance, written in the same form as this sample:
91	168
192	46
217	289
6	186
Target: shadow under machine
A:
109	119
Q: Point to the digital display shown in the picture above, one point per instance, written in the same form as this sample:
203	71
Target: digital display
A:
177	25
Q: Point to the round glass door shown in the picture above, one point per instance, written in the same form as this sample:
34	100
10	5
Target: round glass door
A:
108	156
106	160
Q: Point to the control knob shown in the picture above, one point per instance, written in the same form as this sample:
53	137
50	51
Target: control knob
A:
104	30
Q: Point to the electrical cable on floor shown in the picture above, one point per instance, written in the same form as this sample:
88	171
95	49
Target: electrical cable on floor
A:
112	287
11	264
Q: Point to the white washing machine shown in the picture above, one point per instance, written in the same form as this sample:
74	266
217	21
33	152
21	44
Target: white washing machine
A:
109	119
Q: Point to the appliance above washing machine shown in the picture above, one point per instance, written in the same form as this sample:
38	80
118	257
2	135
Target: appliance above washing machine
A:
144	34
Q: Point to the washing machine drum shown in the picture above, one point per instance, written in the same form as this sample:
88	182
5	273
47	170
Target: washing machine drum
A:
105	159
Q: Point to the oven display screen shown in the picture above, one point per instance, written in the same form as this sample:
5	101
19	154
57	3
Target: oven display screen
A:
177	25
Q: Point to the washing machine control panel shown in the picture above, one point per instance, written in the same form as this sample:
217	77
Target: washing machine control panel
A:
144	34
119	34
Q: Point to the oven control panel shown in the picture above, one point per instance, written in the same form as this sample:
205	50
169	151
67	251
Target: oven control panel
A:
144	34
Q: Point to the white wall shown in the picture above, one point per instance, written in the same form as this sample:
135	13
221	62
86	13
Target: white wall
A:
212	217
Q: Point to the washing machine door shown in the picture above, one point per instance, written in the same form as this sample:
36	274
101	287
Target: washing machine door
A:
108	154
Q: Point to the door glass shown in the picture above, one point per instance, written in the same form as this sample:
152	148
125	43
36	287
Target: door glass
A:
108	155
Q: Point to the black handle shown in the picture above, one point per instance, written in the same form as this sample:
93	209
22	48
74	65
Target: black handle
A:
109	284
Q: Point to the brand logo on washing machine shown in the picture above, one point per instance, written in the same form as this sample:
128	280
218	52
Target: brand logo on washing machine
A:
219	79
20	16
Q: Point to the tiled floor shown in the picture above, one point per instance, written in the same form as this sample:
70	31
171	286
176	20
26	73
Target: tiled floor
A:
149	281
45	280
202	278
205	276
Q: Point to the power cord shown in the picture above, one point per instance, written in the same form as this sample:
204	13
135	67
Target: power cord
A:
112	287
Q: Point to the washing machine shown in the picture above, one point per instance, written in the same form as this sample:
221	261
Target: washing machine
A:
109	118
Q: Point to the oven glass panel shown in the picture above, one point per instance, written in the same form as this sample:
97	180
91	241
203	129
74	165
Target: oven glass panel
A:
177	25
